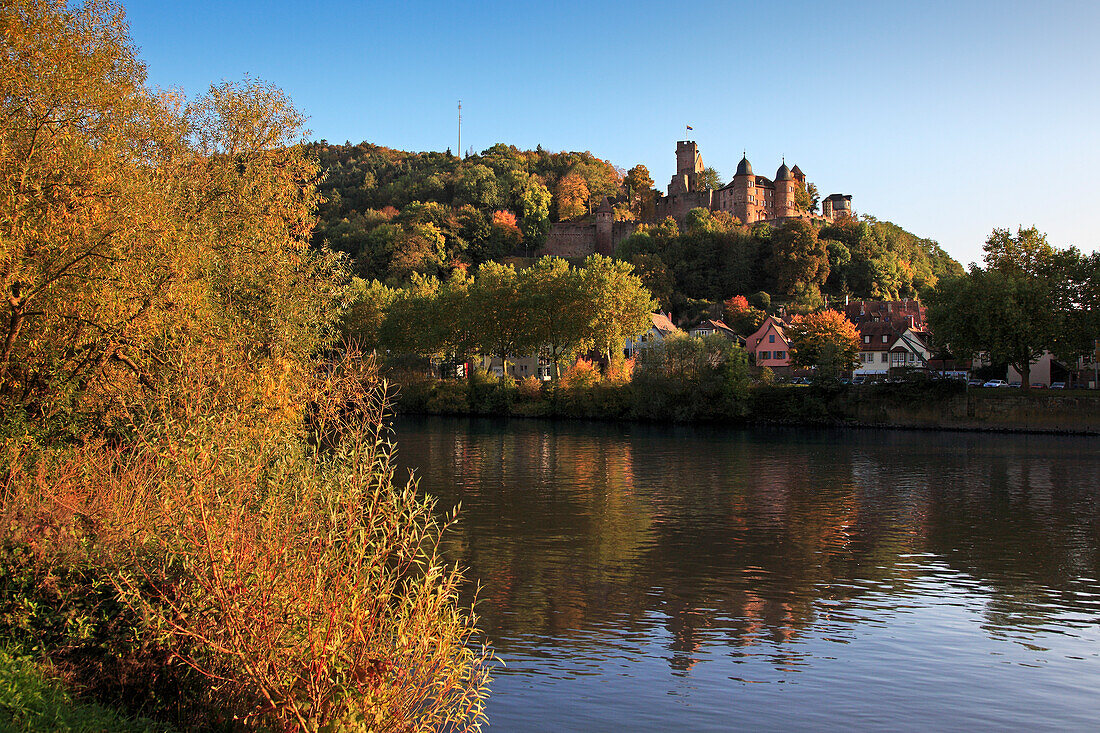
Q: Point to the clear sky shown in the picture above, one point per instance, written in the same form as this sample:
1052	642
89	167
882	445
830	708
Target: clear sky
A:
948	118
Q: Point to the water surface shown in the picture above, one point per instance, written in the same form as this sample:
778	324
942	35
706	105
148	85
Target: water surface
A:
655	578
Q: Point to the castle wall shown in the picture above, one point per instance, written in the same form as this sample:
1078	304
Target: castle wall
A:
576	239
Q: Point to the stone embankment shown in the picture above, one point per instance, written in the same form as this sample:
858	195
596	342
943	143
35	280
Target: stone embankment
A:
1044	412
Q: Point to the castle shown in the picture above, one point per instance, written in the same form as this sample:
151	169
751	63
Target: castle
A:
749	197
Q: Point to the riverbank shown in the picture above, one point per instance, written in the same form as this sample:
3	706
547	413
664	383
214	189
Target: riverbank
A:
928	405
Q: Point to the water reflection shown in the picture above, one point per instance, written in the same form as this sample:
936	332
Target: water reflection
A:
769	549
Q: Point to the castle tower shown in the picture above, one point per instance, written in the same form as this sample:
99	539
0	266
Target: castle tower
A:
605	217
688	160
783	203
745	196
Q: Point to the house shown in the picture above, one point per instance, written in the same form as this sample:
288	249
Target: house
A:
710	327
911	350
519	367
662	328
770	345
876	340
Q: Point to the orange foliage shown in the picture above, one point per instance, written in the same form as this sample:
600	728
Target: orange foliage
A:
504	219
582	374
737	304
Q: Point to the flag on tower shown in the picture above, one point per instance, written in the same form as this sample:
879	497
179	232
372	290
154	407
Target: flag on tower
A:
690	127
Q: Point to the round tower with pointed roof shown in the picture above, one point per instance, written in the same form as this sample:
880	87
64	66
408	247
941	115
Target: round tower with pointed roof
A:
746	198
783	204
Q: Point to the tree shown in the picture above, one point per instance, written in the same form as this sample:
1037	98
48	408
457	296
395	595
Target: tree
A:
502	311
1028	252
639	191
742	317
806	198
136	228
709	178
533	205
622	303
1013	310
826	341
1007	315
477	186
561	310
571	196
800	261
362	321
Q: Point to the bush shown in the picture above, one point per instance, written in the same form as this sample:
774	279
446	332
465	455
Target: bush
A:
302	583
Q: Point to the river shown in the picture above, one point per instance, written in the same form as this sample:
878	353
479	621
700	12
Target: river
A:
657	578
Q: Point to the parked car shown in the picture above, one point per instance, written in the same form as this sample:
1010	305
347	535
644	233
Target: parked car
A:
1017	385
1057	385
975	383
996	383
859	379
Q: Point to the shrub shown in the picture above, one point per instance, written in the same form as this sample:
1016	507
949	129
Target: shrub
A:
529	389
302	583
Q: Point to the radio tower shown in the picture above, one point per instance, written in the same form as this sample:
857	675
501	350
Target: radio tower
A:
460	129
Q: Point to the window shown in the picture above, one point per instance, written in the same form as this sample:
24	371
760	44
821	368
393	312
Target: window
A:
866	339
884	357
885	338
763	355
771	338
780	355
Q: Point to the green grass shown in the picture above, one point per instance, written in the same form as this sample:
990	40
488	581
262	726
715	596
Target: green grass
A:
32	702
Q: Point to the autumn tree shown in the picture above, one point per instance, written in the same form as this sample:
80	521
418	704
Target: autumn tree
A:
571	196
826	341
138	227
742	317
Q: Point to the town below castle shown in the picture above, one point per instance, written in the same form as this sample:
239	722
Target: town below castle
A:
749	197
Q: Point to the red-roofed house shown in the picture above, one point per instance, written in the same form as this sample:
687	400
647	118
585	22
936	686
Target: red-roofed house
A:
770	346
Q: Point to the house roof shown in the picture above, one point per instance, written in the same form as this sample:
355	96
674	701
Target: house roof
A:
663	324
744	168
876	330
783	174
714	325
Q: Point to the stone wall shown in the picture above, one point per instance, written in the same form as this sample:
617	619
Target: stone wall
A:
578	239
1071	412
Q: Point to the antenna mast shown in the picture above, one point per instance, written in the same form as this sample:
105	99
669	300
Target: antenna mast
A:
460	129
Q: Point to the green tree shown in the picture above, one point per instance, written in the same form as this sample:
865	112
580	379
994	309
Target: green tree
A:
362	321
477	186
806	198
502	310
622	303
709	178
1007	315
561	310
800	261
639	192
533	206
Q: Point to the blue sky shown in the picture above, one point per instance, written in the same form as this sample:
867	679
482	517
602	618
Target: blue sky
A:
948	118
